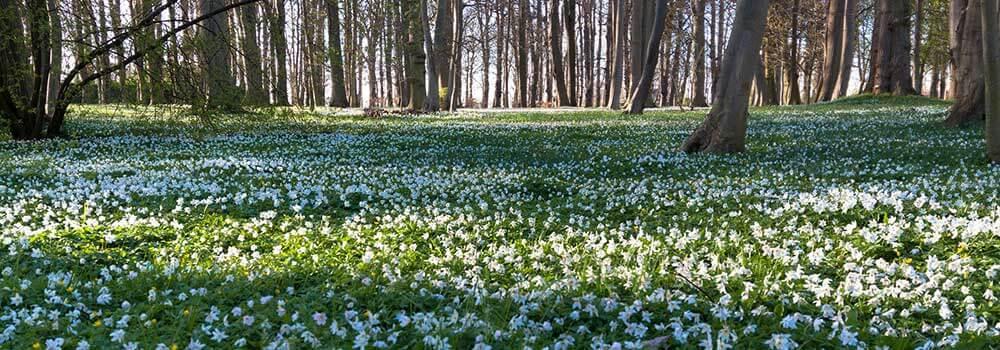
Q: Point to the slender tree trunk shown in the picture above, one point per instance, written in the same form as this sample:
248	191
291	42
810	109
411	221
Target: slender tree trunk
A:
698	86
569	12
614	99
724	129
641	94
56	57
522	53
991	50
555	40
279	88
918	37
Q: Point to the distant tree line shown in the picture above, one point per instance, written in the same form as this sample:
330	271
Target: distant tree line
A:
431	55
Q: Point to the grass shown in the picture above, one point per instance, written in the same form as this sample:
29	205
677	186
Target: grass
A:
857	223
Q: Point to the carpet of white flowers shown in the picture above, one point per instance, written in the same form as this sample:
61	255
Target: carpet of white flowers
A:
863	224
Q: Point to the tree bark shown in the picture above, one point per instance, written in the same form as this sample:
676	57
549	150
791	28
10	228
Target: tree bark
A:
725	126
641	94
892	66
431	104
338	93
415	55
569	12
698	83
279	87
991	50
256	95
967	78
522	54
918	37
850	47
442	47
555	40
833	52
222	92
791	64
615	90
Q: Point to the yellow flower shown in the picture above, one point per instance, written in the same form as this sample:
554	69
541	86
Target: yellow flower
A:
173	346
187	312
36	345
98	323
69	289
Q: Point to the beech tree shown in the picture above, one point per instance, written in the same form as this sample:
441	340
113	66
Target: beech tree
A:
893	49
641	93
725	127
26	65
698	83
991	48
967	82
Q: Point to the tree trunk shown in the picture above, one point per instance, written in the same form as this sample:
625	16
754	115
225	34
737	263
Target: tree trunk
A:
251	53
698	83
415	55
641	94
918	37
892	66
442	47
279	88
724	129
338	97
850	46
991	49
615	90
56	57
555	40
569	12
431	104
221	87
833	52
967	76
522	54
791	64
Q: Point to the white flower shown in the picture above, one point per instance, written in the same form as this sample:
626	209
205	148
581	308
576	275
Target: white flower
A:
54	344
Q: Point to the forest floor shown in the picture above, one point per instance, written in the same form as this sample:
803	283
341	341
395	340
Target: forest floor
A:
858	223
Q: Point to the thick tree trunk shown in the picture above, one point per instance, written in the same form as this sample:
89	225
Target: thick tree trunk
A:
338	97
850	46
221	87
892	66
991	49
618	61
256	95
833	52
724	129
442	47
555	40
698	83
415	55
967	76
641	94
431	104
